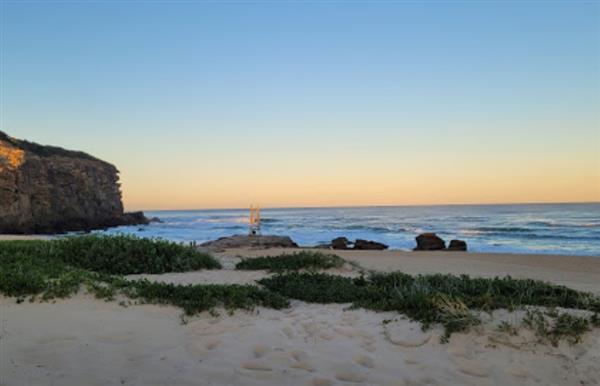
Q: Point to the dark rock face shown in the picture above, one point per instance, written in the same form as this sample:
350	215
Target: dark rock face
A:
369	245
45	189
339	243
136	218
344	243
457	245
429	242
245	241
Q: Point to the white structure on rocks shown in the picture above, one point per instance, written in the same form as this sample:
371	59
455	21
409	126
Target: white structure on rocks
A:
254	224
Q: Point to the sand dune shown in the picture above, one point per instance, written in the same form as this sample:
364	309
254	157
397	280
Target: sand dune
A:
84	341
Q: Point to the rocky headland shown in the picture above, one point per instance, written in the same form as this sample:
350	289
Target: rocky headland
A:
47	189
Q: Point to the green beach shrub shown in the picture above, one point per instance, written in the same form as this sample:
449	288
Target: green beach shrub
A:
292	262
449	300
52	270
119	255
552	326
197	298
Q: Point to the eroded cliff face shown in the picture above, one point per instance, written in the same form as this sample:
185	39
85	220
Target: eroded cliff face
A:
45	189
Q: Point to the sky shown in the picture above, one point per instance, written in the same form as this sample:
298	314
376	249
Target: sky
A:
333	103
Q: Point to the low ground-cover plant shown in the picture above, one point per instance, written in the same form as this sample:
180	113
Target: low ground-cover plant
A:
508	328
552	326
451	301
24	272
119	255
28	270
197	298
292	262
491	293
123	255
317	287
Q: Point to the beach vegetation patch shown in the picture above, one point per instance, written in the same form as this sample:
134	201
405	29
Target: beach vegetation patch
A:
28	270
451	301
551	326
292	262
197	298
508	328
59	268
119	255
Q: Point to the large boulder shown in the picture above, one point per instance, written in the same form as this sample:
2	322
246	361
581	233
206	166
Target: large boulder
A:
429	242
369	245
340	243
457	245
250	241
46	189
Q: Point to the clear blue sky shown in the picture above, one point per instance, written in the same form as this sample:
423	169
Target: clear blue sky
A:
195	101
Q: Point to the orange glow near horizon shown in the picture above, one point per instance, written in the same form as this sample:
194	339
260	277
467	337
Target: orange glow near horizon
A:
424	184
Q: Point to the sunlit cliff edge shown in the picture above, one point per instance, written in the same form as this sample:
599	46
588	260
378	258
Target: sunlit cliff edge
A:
47	189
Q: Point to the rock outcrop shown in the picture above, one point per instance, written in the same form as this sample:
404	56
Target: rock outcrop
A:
46	189
429	242
339	243
432	242
369	245
250	241
359	244
457	245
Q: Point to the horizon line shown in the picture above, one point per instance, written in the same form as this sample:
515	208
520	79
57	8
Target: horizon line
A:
377	206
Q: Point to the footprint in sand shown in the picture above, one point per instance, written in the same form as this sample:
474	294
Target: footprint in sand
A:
321	382
325	335
406	336
212	344
370	348
260	351
347	332
473	368
427	381
311	328
411	360
196	349
256	366
459	351
350	374
517	371
280	358
299	355
288	331
368	343
350	319
303	365
364	360
302	361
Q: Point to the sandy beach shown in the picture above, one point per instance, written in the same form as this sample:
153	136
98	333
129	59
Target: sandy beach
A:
299	193
82	340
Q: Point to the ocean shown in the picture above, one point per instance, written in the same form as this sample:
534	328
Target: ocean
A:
570	229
